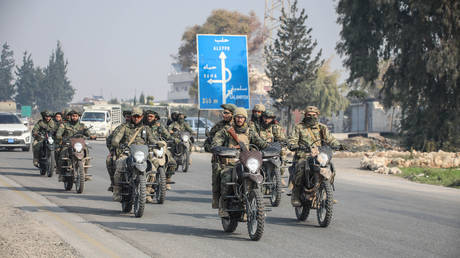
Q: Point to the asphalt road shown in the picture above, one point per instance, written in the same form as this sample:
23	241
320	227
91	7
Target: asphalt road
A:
376	215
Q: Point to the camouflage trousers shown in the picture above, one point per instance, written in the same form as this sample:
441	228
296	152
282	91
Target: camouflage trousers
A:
299	176
36	147
110	165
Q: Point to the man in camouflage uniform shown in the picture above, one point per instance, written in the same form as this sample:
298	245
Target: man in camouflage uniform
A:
110	160
226	122
46	124
58	119
306	133
159	132
256	117
67	130
223	138
179	124
130	133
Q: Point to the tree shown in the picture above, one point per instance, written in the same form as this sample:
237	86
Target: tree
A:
27	82
6	73
421	42
55	90
114	101
291	64
142	99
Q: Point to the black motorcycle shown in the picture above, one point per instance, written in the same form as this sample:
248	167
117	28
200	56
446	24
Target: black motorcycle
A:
271	163
181	150
47	162
244	201
75	163
133	174
318	186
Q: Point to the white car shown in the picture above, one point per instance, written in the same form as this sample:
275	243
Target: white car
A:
13	132
201	125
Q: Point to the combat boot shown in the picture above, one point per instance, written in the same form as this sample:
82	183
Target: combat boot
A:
116	193
168	185
36	163
295	197
222	204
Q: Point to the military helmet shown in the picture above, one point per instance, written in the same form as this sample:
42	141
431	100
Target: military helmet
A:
148	112
71	112
311	109
58	113
269	114
239	111
259	107
136	112
229	107
127	113
45	113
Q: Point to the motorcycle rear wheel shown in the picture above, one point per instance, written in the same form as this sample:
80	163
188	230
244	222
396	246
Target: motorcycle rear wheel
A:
303	211
68	183
80	177
139	192
325	201
255	213
229	224
160	188
126	206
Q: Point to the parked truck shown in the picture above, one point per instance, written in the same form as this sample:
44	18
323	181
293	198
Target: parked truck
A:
102	119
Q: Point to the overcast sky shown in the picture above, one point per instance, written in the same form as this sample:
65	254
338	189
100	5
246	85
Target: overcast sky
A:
116	46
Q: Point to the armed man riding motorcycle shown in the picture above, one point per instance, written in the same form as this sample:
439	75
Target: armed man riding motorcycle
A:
134	132
226	122
244	134
182	134
256	117
67	130
46	124
110	160
307	133
159	132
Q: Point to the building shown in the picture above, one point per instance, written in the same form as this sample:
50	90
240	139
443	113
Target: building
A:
180	83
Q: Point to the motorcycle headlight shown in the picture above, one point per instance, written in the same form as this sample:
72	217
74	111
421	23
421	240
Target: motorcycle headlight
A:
159	152
252	164
322	159
185	138
78	147
139	156
51	141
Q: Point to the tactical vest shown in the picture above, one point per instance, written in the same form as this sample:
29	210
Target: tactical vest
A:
242	137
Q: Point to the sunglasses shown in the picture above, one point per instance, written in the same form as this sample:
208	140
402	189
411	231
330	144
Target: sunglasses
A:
226	113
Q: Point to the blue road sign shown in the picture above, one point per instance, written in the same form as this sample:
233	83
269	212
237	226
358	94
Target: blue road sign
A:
222	71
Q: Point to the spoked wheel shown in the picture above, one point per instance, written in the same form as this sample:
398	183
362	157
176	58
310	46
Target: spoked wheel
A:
255	213
80	177
186	163
303	211
230	223
160	187
139	196
275	188
51	165
68	183
325	200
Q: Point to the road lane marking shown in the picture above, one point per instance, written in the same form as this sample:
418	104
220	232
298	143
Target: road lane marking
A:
65	223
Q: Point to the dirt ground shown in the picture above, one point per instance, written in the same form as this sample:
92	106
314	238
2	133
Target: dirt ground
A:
22	236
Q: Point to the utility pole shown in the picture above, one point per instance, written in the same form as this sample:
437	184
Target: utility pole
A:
271	20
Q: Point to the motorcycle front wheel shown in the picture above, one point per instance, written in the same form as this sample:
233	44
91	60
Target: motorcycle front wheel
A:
51	165
139	195
275	189
325	201
255	213
79	177
186	163
160	188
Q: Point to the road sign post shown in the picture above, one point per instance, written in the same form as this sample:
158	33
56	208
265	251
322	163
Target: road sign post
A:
222	62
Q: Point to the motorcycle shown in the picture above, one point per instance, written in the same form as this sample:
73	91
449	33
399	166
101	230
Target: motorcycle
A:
133	174
156	178
75	169
318	186
245	201
271	163
47	163
182	149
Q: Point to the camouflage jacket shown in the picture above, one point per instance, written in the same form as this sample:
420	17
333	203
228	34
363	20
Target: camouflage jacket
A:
158	130
43	126
255	126
272	133
217	127
304	136
177	126
128	130
67	130
223	138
